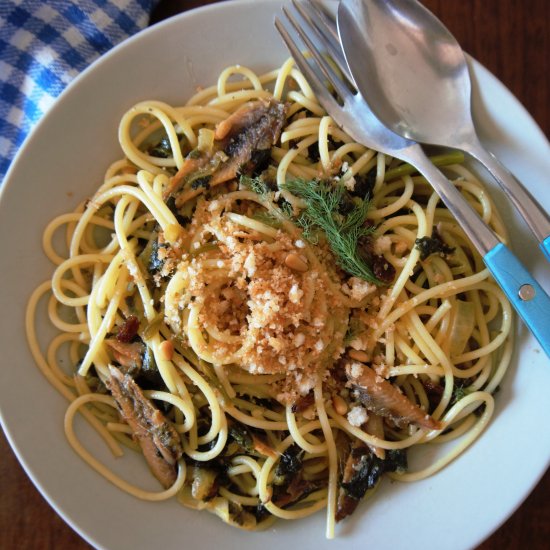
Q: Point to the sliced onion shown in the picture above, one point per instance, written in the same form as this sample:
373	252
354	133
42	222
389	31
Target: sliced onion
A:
462	327
206	140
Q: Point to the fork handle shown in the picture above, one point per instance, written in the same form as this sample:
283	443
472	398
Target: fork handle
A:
536	218
524	292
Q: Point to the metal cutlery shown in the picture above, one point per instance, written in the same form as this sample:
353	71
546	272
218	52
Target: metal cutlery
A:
352	113
413	74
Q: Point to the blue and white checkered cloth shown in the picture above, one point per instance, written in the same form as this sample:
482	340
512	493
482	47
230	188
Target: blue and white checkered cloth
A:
44	44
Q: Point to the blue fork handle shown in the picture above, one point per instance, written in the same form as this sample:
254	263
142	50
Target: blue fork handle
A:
524	292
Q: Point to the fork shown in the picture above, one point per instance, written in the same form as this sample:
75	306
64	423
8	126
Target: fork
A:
351	113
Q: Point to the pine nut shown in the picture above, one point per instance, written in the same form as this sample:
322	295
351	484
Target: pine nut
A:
172	232
296	262
358	355
340	406
166	350
310	413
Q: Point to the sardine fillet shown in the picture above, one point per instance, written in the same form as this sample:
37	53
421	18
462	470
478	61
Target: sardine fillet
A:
158	439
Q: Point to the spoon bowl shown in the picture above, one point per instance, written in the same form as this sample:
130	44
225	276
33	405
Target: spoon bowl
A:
412	67
414	76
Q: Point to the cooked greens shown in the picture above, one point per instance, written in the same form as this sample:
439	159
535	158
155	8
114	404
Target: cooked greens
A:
405	169
433	245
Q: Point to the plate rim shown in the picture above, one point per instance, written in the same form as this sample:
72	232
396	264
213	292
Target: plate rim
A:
10	181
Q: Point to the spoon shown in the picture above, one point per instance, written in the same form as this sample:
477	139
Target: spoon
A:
413	74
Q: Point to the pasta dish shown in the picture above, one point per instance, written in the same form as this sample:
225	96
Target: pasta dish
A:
274	316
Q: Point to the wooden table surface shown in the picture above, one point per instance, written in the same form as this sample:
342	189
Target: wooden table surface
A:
512	39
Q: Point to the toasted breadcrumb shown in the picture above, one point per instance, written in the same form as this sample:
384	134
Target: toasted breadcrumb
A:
274	318
382	244
357	416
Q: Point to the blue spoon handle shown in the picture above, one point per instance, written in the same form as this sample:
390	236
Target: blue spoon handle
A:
524	292
536	217
545	246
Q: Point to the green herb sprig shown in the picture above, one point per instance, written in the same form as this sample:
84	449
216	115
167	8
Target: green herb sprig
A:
281	210
256	184
324	201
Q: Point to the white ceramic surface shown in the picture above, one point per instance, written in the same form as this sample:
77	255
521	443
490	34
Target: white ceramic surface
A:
63	162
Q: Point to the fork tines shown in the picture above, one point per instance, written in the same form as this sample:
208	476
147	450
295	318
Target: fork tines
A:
326	31
316	21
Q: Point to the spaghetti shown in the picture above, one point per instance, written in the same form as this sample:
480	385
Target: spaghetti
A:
270	312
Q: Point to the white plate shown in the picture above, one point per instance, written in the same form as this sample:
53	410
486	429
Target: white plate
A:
64	161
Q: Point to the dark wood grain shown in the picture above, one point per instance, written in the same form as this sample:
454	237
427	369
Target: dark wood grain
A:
512	39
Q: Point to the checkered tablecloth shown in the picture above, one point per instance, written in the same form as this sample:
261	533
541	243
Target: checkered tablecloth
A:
44	44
